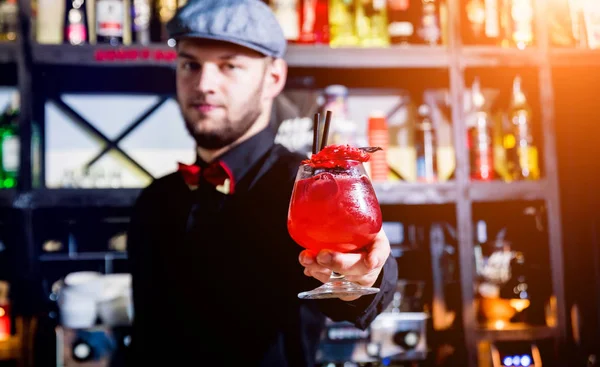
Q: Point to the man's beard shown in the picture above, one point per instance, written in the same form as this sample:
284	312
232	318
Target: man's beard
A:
229	131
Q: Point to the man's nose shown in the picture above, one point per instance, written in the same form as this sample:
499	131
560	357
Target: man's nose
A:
209	78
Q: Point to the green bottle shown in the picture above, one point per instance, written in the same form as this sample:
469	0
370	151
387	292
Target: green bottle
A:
9	144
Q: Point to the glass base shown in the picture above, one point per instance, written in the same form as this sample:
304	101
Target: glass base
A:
337	289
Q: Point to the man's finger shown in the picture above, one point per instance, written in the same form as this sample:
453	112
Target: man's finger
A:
347	264
316	268
319	273
378	252
306	258
364	280
361	263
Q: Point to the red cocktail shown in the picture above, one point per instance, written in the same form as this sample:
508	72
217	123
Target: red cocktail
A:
334	207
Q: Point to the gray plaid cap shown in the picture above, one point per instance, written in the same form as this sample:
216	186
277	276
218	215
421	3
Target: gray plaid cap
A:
248	23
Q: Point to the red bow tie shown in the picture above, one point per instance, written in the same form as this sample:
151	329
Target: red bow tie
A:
217	173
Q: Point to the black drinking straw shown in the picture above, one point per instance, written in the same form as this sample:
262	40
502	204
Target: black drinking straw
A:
315	145
326	129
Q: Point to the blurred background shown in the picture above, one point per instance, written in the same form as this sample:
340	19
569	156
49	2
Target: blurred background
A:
487	113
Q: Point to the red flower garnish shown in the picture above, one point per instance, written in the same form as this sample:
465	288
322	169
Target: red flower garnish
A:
337	156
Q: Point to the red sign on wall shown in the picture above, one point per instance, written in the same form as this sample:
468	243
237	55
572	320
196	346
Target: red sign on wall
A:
135	54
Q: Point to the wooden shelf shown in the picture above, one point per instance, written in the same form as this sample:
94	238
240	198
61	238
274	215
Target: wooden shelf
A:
8	52
395	192
492	56
517	333
500	191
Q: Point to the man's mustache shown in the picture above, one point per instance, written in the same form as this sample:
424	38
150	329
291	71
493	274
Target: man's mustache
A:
204	100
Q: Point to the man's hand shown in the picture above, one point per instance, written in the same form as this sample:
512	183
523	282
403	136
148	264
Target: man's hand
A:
361	267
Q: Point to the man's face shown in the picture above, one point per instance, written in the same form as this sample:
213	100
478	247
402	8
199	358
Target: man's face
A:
220	90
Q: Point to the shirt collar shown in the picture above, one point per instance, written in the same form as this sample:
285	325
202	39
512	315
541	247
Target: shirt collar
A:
241	158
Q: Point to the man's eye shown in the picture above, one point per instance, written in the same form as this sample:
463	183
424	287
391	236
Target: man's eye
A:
191	66
230	66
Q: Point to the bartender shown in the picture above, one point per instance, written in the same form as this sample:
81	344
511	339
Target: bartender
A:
215	272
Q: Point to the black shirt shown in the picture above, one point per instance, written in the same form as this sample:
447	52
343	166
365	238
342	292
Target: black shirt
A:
216	276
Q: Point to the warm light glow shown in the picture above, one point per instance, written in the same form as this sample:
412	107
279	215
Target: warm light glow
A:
499	325
519	304
2	312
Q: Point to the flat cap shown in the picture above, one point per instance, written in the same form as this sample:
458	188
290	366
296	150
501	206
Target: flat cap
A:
248	23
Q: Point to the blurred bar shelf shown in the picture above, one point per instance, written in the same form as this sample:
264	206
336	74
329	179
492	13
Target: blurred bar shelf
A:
413	56
501	191
415	193
8	52
104	55
320	56
493	56
90	256
517	333
310	56
569	57
388	193
50	198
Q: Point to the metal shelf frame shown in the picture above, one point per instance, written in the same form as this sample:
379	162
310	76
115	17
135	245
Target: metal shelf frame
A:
453	59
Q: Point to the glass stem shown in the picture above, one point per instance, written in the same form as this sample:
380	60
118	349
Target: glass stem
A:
336	277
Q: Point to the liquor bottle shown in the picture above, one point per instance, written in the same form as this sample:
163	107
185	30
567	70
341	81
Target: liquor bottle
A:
5	312
475	15
429	30
591	23
342	23
286	12
372	23
76	27
141	15
521	152
561	24
9	145
484	22
517	287
314	21
378	137
479	247
49	21
8	20
520	15
493	30
576	12
425	146
110	21
165	11
401	15
342	130
479	138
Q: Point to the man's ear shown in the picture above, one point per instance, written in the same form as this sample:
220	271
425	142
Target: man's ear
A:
275	78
